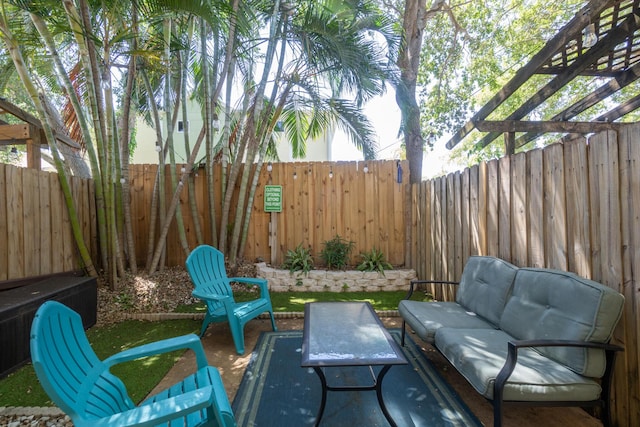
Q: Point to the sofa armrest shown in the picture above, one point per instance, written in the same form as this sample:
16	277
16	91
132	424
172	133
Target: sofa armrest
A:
417	282
512	359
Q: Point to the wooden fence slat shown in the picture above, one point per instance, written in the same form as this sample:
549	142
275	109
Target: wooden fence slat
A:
370	206
493	220
483	191
599	181
613	266
438	212
449	226
69	245
555	208
519	198
417	224
464	217
457	221
4	224
15	223
434	265
307	204
504	208
475	235
628	374
57	232
385	223
577	193
535	209
31	222
400	205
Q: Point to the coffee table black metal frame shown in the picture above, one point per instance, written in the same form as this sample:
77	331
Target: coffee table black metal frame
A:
341	334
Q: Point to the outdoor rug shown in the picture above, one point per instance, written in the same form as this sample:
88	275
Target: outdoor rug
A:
276	391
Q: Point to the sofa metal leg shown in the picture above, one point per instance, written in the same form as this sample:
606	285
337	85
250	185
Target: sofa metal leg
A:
497	413
404	324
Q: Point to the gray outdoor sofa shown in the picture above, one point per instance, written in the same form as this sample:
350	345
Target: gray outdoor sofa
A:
527	336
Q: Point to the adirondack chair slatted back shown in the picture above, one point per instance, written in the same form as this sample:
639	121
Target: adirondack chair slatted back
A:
68	368
208	273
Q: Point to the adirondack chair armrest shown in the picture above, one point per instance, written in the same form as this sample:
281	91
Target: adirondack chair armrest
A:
211	297
413	283
189	341
253	281
163	411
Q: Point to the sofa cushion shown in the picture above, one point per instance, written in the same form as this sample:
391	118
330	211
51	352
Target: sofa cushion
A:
479	354
485	286
425	318
551	304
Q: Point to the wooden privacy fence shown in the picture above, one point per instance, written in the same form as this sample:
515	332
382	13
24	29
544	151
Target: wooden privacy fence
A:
319	201
35	232
572	207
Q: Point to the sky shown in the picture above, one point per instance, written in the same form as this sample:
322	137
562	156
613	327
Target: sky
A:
384	114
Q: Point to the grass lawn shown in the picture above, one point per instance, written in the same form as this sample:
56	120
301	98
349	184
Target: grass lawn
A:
283	302
21	388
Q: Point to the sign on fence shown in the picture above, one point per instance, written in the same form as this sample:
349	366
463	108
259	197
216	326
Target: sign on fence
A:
273	198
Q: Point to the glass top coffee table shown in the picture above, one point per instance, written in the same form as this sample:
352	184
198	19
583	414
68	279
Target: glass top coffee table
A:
339	334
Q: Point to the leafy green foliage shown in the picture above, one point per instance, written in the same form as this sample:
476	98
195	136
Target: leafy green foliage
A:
336	252
298	259
471	50
374	260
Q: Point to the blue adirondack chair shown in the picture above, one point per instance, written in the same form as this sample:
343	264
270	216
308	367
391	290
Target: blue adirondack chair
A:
82	386
209	276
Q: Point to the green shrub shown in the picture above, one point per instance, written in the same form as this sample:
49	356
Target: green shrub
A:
299	259
374	260
336	252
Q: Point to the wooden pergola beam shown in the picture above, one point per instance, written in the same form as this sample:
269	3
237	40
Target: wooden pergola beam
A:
603	92
604	45
32	120
569	32
621	110
511	126
629	106
14	132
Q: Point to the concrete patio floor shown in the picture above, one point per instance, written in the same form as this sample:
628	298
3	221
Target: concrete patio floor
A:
221	353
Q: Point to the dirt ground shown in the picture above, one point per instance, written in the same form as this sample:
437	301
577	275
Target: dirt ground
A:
221	353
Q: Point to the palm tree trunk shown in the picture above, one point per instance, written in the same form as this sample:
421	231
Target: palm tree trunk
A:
153	216
182	235
98	161
193	207
208	128
228	193
93	75
124	148
164	229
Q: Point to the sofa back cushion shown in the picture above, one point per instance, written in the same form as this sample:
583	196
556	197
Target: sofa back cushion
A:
485	286
556	305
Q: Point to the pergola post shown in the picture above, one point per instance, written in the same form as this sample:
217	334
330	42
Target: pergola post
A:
34	143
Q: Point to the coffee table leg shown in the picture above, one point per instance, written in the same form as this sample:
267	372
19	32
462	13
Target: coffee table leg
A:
323	402
383	372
